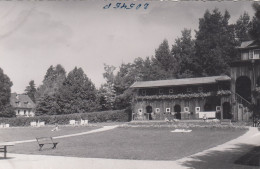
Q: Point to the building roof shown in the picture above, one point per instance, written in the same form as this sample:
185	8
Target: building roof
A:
180	82
249	44
21	101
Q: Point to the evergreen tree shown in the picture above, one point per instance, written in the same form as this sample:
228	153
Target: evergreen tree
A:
215	44
255	30
52	81
6	109
164	57
31	90
183	52
242	27
78	94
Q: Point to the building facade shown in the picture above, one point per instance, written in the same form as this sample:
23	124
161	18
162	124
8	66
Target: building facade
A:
22	105
189	98
221	97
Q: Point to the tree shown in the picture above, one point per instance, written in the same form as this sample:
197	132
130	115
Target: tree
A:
164	57
183	52
214	45
78	94
255	30
106	92
6	109
242	28
52	81
31	90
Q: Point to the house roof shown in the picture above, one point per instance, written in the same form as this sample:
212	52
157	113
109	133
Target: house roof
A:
21	101
249	44
180	82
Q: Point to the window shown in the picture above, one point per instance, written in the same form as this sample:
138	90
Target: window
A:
140	111
143	92
170	91
17	103
189	90
168	110
197	109
251	55
160	91
218	108
256	54
200	89
157	110
186	109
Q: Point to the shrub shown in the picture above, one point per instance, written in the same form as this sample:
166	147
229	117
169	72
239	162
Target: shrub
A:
93	117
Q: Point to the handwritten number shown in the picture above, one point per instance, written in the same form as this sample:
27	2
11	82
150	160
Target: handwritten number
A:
117	5
124	6
146	5
138	6
107	6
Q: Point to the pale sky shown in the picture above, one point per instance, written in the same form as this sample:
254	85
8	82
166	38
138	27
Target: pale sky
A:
37	34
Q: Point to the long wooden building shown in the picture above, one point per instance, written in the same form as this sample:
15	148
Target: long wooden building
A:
221	97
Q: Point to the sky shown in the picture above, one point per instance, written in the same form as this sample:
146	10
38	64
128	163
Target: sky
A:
37	34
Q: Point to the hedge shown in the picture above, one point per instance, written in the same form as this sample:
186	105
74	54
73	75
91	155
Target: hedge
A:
92	117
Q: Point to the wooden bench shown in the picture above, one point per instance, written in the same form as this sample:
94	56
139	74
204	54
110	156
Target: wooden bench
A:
46	140
3	148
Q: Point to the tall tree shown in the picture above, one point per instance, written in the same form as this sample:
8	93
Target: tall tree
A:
242	28
6	109
106	92
215	44
52	81
164	57
78	94
255	30
183	52
31	90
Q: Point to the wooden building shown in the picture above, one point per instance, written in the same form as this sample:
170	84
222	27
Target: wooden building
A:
188	98
245	81
22	105
221	97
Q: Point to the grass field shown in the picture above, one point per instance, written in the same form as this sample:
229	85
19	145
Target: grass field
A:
129	143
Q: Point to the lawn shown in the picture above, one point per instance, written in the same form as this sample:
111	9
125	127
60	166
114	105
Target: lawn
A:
153	143
28	133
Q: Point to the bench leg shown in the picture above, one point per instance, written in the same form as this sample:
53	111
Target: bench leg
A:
41	145
5	151
54	145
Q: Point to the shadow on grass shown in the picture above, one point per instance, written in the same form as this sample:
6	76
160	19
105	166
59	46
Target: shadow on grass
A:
7	158
243	156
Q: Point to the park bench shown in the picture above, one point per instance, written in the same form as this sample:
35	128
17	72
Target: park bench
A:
3	148
46	140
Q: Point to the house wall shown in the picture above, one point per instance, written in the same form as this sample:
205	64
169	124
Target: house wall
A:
190	103
24	112
249	69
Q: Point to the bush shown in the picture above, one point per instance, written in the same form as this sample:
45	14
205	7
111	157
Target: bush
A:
93	117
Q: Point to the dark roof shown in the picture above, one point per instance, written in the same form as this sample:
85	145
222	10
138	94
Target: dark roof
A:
249	44
21	101
180	82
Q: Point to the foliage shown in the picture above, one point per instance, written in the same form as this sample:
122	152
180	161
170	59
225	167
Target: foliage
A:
31	90
5	94
164	57
183	51
242	27
93	117
78	94
255	30
215	44
185	95
52	81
